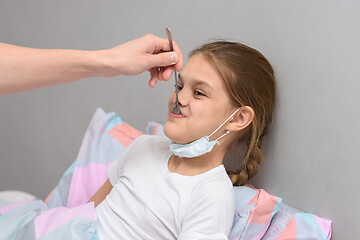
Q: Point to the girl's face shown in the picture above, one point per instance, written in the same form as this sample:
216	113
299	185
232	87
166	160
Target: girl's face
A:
203	101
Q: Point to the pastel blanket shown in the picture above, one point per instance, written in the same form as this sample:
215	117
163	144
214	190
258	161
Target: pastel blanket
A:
65	214
32	220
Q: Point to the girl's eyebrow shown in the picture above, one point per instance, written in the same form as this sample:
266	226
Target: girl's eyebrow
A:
198	82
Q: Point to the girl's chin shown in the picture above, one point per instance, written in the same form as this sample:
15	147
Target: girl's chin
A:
173	135
177	134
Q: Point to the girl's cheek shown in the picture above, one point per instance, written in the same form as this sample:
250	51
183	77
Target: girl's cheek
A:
170	100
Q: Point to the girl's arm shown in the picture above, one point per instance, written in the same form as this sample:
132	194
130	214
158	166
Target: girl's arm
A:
100	195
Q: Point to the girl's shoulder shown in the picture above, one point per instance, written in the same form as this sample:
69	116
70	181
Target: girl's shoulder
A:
214	195
214	182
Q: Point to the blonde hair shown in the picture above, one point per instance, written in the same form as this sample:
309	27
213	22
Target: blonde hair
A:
250	81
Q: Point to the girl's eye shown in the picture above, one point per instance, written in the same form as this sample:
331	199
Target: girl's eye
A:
197	93
179	87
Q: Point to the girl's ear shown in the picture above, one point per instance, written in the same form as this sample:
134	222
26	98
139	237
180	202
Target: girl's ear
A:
241	119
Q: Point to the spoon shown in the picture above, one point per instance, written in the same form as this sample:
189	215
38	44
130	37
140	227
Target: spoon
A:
175	109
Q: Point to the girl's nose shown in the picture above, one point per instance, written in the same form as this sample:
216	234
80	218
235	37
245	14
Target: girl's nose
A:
182	98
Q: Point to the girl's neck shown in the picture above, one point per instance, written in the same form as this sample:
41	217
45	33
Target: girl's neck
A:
197	165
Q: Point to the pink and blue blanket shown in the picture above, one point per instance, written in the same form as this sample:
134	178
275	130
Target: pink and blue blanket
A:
65	213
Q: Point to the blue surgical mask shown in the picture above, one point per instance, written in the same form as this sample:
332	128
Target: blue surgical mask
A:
200	146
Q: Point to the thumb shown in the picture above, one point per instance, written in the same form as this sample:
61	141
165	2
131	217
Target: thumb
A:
163	59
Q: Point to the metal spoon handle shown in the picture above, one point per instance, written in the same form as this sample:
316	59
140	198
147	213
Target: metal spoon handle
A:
176	88
168	33
175	109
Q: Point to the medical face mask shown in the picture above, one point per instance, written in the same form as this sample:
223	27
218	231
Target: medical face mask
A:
200	146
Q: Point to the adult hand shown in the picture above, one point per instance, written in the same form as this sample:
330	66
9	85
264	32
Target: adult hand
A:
148	53
23	68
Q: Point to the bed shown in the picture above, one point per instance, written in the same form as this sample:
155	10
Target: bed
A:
65	213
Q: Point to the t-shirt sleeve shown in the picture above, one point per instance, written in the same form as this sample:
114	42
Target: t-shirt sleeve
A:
210	213
116	167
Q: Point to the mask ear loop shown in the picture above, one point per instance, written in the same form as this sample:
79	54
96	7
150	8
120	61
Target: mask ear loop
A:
217	140
227	132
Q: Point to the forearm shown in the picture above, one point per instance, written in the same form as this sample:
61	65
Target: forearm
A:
24	68
101	194
27	68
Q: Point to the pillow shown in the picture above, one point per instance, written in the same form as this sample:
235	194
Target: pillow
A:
105	140
258	215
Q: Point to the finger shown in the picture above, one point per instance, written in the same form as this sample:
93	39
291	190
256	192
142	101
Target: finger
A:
163	59
160	74
158	44
162	45
151	83
157	49
153	77
167	73
179	64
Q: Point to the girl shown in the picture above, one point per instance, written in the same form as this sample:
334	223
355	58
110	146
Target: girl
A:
182	188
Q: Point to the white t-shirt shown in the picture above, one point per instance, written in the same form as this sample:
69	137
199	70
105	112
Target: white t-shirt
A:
150	202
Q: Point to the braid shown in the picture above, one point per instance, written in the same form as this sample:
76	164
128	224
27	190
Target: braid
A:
249	166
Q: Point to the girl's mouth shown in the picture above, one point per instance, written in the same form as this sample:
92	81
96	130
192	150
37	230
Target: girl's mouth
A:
172	115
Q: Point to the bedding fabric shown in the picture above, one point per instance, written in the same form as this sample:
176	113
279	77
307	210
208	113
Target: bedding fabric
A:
65	214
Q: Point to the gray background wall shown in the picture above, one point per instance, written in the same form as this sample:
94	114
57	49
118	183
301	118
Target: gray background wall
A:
311	155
